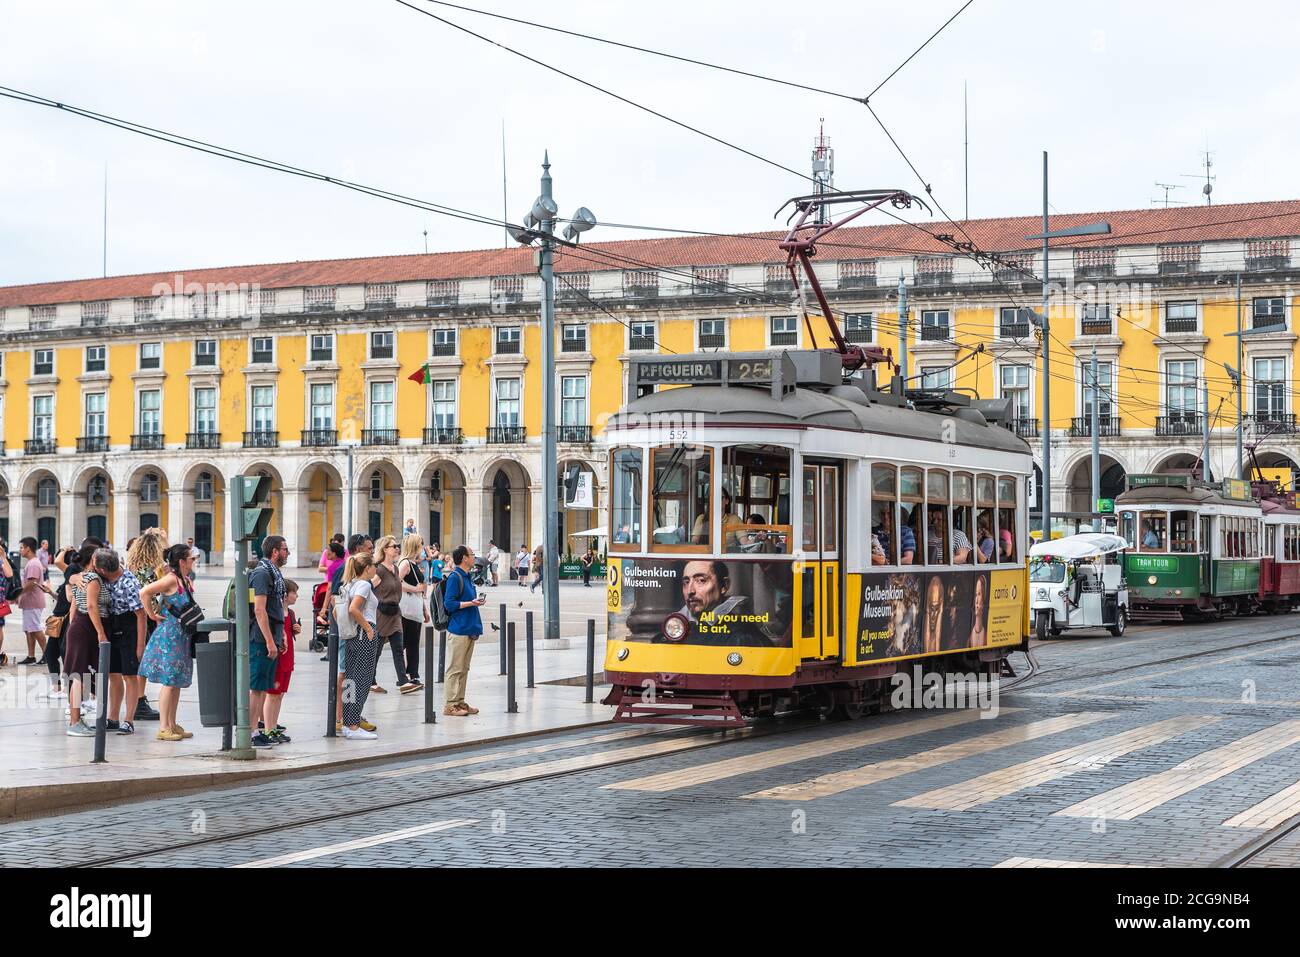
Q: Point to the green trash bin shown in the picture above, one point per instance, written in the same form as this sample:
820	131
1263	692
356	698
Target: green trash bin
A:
215	666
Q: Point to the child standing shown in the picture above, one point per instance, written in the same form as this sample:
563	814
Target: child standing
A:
283	669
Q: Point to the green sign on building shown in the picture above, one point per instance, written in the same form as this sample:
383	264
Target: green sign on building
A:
1106	505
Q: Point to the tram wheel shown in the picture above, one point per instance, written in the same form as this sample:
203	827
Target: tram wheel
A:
850	710
1121	622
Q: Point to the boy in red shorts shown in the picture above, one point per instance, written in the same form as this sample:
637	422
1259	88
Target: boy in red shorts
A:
283	669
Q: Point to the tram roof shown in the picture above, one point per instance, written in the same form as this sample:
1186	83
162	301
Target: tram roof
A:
1173	495
808	408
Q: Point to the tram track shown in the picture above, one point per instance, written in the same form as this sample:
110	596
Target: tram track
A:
1257	845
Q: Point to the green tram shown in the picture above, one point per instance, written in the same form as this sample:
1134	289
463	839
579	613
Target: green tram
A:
1196	546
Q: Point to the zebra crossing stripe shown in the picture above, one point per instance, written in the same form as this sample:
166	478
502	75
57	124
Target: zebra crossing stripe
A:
887	730
362	842
1052	767
1271	811
1049	862
828	784
1137	797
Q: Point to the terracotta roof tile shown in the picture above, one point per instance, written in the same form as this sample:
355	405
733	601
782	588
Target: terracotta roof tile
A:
1129	227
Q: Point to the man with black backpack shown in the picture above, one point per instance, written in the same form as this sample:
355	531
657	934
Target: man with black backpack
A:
460	603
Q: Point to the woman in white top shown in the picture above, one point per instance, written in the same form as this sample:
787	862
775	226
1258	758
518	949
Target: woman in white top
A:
363	648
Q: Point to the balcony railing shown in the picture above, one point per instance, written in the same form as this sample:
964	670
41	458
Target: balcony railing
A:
572	344
38	447
859	334
641	343
939	333
1014	330
1025	428
712	341
1096	327
580	434
506	434
508	347
147	441
319	438
1273	423
203	440
1267	263
934	278
1081	426
378	436
1179	423
1180	324
443	436
444	348
261	440
92	443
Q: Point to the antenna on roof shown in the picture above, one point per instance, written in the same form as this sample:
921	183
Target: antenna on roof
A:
426	238
1166	201
105	262
505	202
1208	163
823	167
965	119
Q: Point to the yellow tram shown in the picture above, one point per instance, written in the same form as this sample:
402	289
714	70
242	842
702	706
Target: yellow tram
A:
785	535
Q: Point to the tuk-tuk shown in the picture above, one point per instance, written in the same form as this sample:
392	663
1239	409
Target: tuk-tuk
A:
1078	582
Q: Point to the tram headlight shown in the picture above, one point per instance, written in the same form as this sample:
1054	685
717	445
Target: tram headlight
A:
675	627
734	659
622	654
1151	579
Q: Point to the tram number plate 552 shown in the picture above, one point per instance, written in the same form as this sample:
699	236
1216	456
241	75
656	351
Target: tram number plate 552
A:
679	435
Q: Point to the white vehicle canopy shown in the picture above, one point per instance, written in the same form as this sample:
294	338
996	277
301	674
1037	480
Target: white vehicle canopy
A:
1079	547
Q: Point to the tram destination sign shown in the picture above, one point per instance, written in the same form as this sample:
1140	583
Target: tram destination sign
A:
706	371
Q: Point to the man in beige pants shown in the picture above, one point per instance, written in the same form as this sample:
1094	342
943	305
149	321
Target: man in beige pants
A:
463	629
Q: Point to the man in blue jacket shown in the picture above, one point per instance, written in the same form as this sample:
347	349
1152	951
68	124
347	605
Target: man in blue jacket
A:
463	629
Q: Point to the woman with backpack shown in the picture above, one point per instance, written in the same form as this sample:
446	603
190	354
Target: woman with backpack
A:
357	623
415	606
167	659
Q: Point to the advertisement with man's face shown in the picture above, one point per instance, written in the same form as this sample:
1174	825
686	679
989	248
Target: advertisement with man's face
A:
701	601
904	614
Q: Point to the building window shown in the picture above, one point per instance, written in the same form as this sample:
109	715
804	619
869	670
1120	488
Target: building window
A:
322	405
1180	387
713	333
857	327
146	308
263	408
508	339
377	487
934	325
151	355
42	417
573	400
1095	320
150	412
96	409
936	377
43	362
1013	322
641	337
47	494
42	317
444	342
1014	383
444	404
263	350
322	347
1269	312
96	358
784	331
203	487
381	345
573	337
319	298
149	488
381	405
507	415
1105	388
1270	389
1180	316
205	410
205	352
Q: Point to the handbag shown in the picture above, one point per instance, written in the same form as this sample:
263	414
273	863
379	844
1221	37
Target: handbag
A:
6	609
412	605
54	626
347	625
189	616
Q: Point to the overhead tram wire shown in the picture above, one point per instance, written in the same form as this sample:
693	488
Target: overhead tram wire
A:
222	152
600	89
900	66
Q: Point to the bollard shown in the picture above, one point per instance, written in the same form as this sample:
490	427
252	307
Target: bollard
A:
512	706
228	730
591	661
528	646
101	703
442	655
332	691
503	638
429	716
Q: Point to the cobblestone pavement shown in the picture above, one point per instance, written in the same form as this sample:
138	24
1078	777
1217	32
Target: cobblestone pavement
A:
1173	747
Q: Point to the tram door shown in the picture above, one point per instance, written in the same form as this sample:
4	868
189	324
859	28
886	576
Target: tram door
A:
817	577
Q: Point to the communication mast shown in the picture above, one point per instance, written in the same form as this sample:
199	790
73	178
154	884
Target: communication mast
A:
823	167
1208	188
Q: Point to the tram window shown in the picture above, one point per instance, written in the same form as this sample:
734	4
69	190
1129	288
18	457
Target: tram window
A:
830	510
1127	527
1007	519
625	499
884	492
1182	531
1254	538
1291	543
679	498
756	480
1155	525
911	497
962	519
1207	538
936	508
1270	541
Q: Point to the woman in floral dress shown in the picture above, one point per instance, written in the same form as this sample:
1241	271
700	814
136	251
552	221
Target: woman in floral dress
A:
167	658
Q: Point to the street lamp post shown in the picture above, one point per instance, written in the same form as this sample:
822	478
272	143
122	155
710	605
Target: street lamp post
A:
1044	324
539	225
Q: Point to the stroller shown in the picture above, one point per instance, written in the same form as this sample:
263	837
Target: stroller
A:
320	634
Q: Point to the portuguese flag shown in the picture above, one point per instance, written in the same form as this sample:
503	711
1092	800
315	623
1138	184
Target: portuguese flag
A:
420	375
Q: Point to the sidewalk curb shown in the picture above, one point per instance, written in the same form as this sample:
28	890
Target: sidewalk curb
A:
40	799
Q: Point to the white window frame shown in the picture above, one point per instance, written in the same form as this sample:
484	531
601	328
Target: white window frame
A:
517	399
565	329
772	331
1196	312
196	409
1255	381
1027	388
36	361
86	413
1195	407
252	351
140	411
517	337
945	370
392	341
1106	386
37	434
631	334
586	389
253	407
143	357
312	406
451	386
371	404
726	332
216	354
443	331
102	358
328	338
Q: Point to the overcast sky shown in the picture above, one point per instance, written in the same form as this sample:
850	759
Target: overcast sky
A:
1122	94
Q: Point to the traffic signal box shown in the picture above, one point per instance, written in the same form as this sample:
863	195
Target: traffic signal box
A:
254	507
